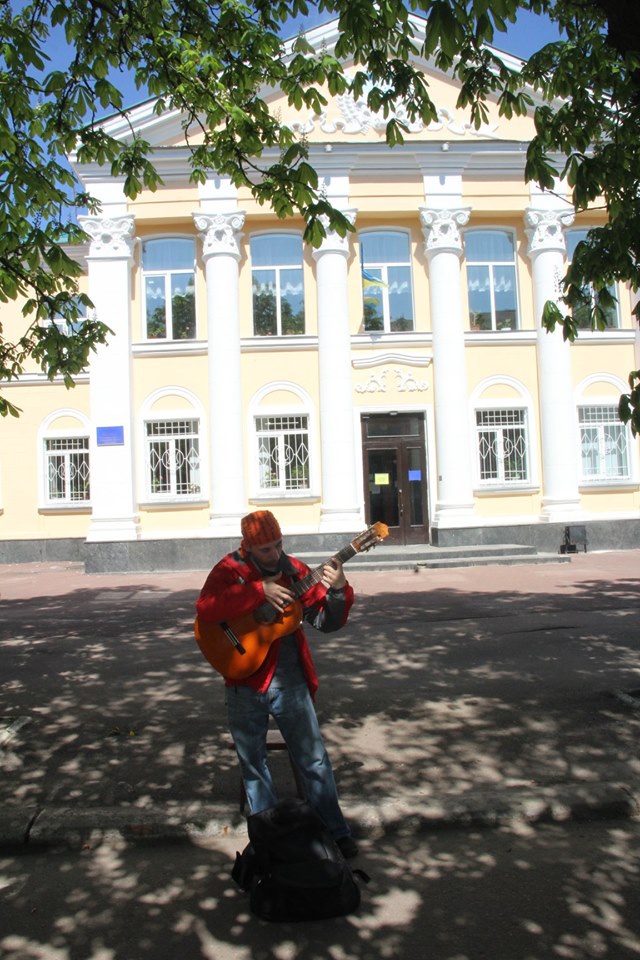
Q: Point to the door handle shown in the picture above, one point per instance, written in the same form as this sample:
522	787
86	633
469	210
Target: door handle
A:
400	505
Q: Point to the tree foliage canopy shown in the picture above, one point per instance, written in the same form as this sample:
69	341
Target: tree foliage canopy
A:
214	60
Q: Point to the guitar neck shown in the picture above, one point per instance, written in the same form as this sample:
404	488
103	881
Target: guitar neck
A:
301	586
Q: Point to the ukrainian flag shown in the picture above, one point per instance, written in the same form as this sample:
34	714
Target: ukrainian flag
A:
369	281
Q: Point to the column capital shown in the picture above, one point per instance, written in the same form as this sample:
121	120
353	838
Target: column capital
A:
111	237
545	229
333	242
441	228
220	232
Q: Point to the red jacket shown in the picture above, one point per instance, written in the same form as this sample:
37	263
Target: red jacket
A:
234	587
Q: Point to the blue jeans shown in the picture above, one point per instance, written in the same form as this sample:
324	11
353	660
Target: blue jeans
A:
293	710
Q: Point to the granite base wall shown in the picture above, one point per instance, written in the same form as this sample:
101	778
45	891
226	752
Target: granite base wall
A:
545	537
141	556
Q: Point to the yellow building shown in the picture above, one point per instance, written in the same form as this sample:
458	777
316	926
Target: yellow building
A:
399	374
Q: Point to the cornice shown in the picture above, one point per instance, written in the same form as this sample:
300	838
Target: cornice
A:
279	344
42	380
409	359
359	341
170	348
482	158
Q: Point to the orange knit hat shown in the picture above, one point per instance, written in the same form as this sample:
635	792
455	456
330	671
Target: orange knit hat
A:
258	529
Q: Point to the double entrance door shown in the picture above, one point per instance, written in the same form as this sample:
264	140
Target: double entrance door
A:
395	479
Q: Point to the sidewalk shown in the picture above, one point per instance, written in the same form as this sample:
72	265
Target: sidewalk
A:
464	696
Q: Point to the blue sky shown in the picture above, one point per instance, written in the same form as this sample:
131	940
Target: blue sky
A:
524	37
528	34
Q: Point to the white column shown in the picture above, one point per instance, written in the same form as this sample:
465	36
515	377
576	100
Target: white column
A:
113	498
635	296
340	508
454	505
558	425
220	234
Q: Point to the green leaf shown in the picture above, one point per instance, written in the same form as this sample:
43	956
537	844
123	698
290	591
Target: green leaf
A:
217	64
8	408
551	316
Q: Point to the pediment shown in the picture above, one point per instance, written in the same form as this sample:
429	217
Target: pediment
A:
344	120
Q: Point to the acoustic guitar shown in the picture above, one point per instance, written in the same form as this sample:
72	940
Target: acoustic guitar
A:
237	648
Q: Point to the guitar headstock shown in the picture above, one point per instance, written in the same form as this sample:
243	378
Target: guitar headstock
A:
370	537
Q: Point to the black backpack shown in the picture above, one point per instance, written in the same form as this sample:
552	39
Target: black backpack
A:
292	867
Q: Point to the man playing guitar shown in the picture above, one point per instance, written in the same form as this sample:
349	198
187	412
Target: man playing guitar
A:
249	605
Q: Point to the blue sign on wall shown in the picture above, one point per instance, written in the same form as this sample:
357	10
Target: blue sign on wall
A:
110	436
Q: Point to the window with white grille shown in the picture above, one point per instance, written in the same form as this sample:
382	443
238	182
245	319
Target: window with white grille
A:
67	470
283	454
604	444
502	446
173	458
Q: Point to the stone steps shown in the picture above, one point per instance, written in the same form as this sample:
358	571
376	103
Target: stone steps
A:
424	556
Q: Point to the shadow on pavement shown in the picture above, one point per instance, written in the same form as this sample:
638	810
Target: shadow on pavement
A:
425	693
525	894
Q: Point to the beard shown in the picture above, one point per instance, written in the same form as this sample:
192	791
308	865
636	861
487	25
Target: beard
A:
270	571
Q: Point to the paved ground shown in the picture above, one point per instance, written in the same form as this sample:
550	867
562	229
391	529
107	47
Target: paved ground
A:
554	892
464	693
454	699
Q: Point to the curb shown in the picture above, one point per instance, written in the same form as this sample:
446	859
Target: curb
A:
33	829
74	827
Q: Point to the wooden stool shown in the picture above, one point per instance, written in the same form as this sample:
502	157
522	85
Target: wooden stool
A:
274	742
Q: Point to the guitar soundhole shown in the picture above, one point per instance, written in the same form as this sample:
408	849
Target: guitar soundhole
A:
266	614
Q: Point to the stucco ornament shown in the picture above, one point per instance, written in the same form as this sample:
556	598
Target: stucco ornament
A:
441	228
356	117
545	228
110	236
406	382
375	383
333	242
220	232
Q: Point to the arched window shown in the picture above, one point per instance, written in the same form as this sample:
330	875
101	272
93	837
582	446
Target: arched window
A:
387	289
503	447
278	284
491	279
171	435
65	460
505	434
168	267
582	315
604	444
283	453
282	465
173	458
